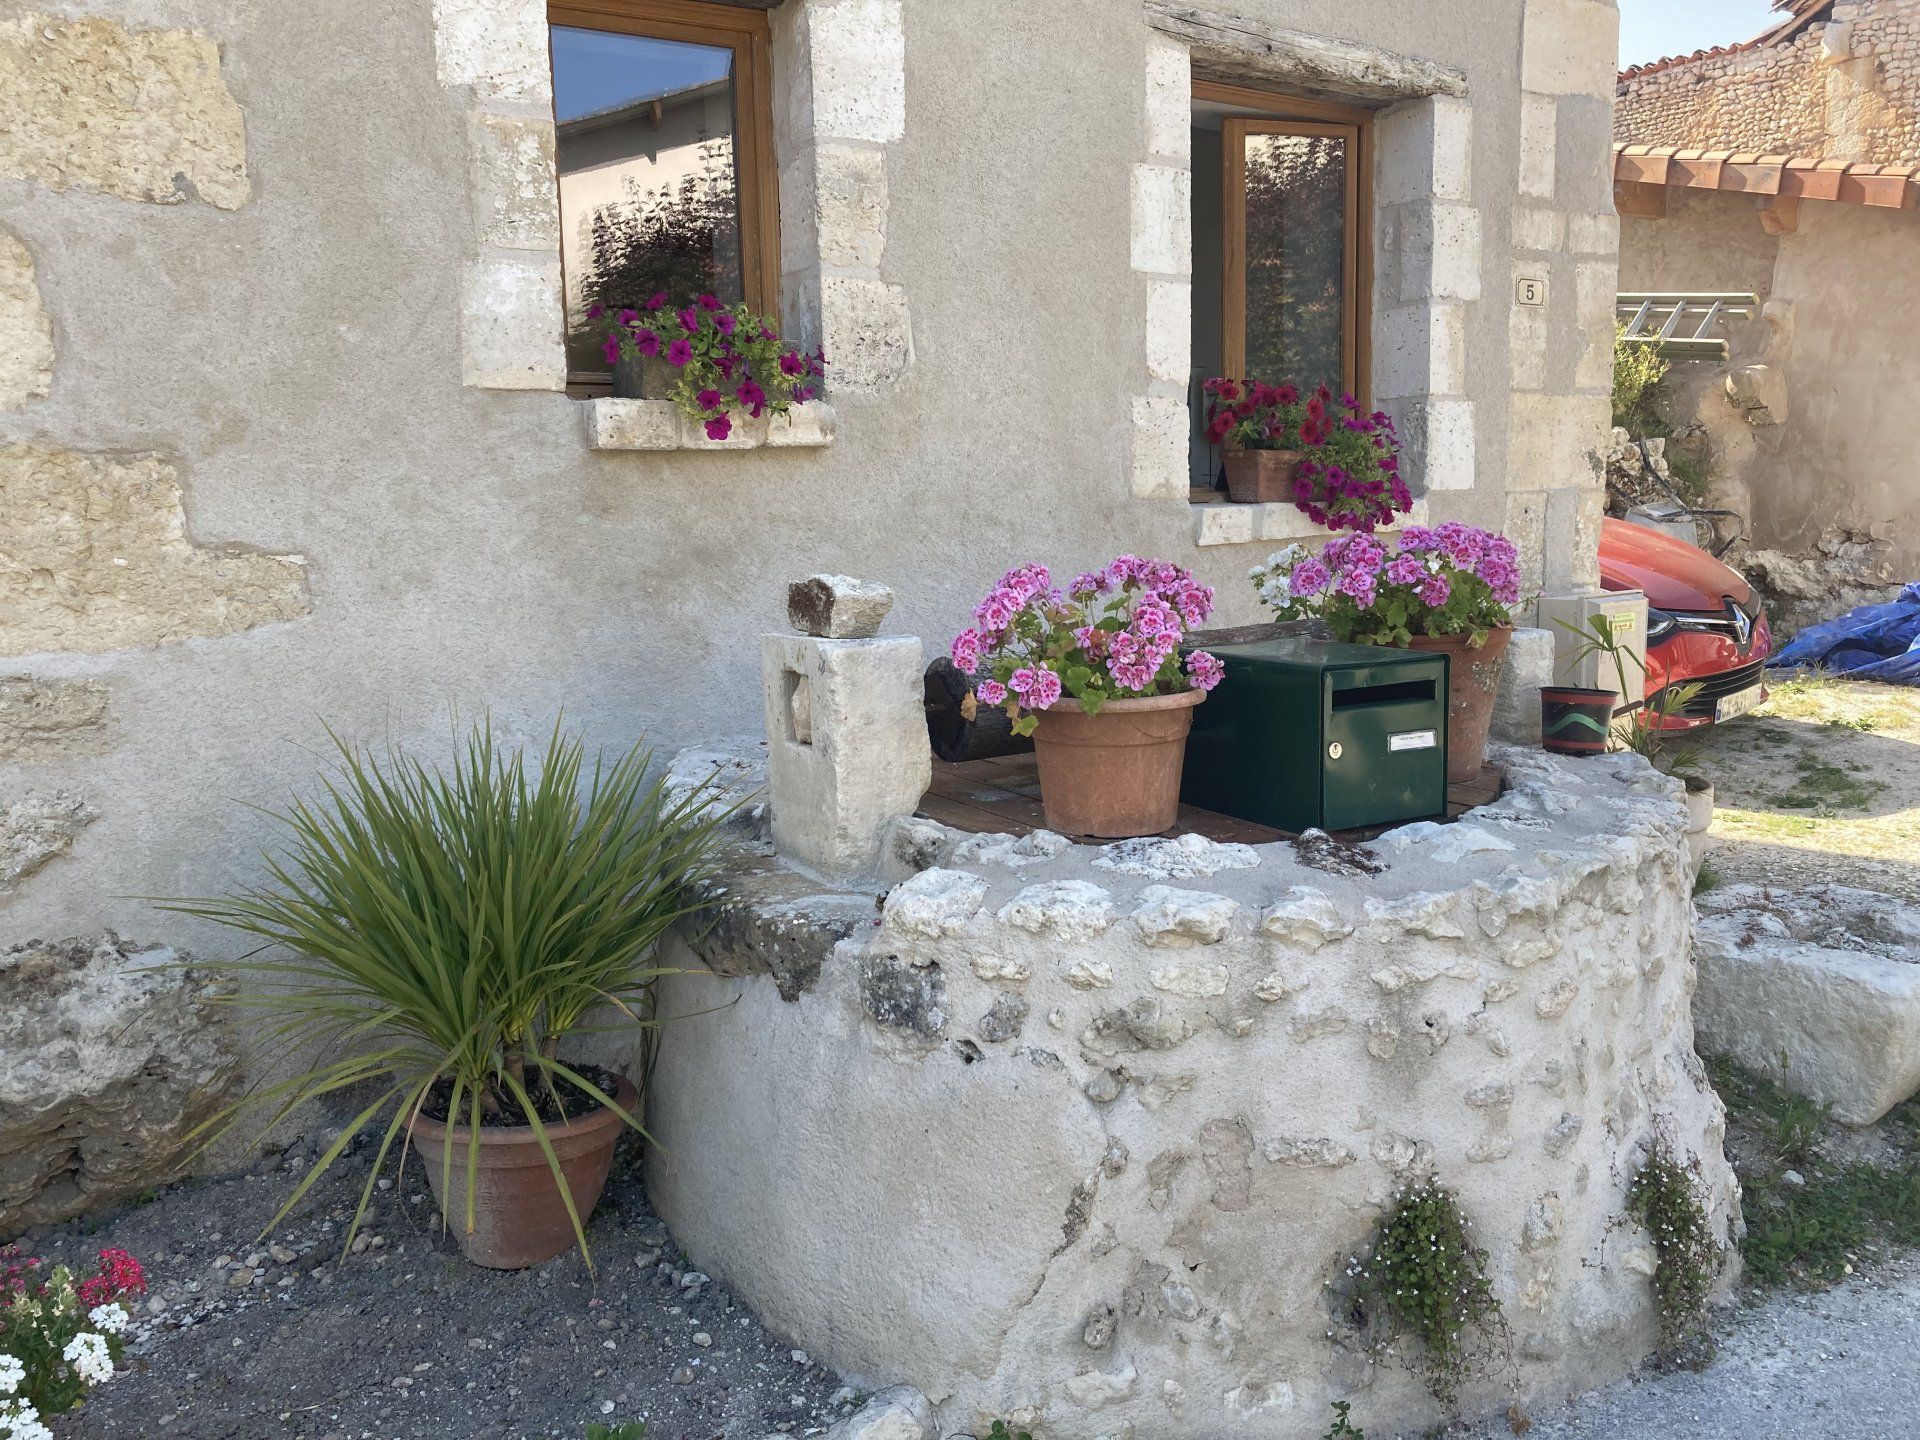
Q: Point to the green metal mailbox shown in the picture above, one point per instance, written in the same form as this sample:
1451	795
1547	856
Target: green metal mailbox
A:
1306	733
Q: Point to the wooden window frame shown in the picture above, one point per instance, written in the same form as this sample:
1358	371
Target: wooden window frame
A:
756	179
1290	115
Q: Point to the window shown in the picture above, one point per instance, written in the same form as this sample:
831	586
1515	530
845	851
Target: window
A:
1282	246
664	146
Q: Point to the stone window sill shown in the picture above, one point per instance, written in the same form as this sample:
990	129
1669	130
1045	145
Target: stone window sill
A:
1222	522
659	425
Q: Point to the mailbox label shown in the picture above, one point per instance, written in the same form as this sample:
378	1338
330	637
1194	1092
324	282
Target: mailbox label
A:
1413	740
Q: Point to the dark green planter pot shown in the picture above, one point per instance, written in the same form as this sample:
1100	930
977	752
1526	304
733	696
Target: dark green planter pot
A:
1574	720
642	377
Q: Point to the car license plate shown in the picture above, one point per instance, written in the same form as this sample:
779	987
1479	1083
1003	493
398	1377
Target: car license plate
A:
1738	703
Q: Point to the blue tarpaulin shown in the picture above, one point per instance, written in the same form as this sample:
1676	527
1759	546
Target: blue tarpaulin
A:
1872	642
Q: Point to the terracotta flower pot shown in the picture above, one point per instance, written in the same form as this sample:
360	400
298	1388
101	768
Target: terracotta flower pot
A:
1115	774
519	1218
1575	720
1473	681
1259	477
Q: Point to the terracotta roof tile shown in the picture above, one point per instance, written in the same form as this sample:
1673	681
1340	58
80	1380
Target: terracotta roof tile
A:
1800	177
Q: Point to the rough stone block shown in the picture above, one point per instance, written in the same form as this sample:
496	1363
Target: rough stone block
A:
1594	234
99	559
865	332
26	335
1528	333
847	748
1170	332
1539	140
510	161
1438	441
850	200
804	427
1539	229
1818	990
1224	524
1557	441
857	68
1595	284
1423	150
111	1062
46	719
1420	350
838	607
1162	208
1169	100
1439	253
1571	558
1516	707
498	47
142	114
34	829
511	325
1570	47
1159	448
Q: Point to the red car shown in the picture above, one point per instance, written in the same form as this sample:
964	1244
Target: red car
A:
1704	622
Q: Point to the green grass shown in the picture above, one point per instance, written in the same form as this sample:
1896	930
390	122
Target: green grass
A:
1708	880
1810	1233
1826	788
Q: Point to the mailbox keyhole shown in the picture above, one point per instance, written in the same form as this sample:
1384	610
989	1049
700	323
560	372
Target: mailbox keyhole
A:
1335	750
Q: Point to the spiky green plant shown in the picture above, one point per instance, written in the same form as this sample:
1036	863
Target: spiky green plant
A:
426	929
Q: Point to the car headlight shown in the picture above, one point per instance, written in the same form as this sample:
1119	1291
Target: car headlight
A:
1660	624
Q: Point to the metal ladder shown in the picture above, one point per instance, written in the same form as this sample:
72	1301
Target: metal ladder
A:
1654	318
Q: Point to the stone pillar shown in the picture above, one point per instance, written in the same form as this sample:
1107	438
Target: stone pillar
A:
847	748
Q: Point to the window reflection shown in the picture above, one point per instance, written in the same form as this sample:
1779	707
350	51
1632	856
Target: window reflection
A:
648	195
1296	257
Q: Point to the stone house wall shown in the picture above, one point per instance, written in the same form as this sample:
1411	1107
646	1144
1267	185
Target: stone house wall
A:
282	444
1845	89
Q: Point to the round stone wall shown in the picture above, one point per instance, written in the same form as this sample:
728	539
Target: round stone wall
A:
1081	1136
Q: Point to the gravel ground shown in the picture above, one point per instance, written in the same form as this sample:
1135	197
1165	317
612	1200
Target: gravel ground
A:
1838	1363
245	1339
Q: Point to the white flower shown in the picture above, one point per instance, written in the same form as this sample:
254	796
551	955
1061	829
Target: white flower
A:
87	1354
111	1318
12	1373
20	1421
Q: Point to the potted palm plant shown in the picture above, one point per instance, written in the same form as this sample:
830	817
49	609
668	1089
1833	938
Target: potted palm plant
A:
1095	674
436	937
1450	589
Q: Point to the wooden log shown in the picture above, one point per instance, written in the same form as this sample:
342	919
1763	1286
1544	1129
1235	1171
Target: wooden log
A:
960	727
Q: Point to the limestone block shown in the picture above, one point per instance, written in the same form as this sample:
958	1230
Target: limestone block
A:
1539	137
809	426
1423	149
1158	436
111	1062
1437	438
1597	234
49	719
1817	989
865	332
1180	858
142	114
838	607
1062	909
510	161
26	335
847	749
1528	333
498	47
1305	917
98	558
1516	708
857	69
1570	47
934	903
510	325
1420	350
34	828
1444	844
1573	540
727	775
1015	852
1176	919
1538	228
1595	284
899	1412
850	200
1162	208
1557	441
1170	332
1169	107
1439	255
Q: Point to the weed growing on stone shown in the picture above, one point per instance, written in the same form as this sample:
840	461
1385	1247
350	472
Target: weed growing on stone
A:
1708	880
1422	1275
1665	1200
627	1430
1342	1429
1000	1432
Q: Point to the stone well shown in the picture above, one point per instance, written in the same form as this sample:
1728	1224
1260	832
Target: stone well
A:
1080	1136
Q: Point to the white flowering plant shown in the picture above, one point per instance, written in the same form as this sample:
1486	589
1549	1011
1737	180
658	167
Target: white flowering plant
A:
60	1335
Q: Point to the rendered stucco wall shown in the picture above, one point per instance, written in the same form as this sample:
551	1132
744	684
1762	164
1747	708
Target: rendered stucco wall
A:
283	282
1835	354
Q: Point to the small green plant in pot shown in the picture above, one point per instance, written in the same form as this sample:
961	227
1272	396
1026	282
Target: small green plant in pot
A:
434	936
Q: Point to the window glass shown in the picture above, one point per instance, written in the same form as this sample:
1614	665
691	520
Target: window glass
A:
1296	208
648	195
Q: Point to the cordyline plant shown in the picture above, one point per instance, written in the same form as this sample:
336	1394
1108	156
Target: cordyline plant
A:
730	360
436	936
1113	634
1451	579
1349	473
60	1335
1647	729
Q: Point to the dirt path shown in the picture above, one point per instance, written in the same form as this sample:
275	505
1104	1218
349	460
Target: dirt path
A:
1822	785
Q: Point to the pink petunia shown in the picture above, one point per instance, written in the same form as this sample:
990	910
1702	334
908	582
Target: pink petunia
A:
680	352
719	427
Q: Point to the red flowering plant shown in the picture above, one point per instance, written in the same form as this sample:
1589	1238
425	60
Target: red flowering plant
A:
1113	634
729	360
60	1335
1349	473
